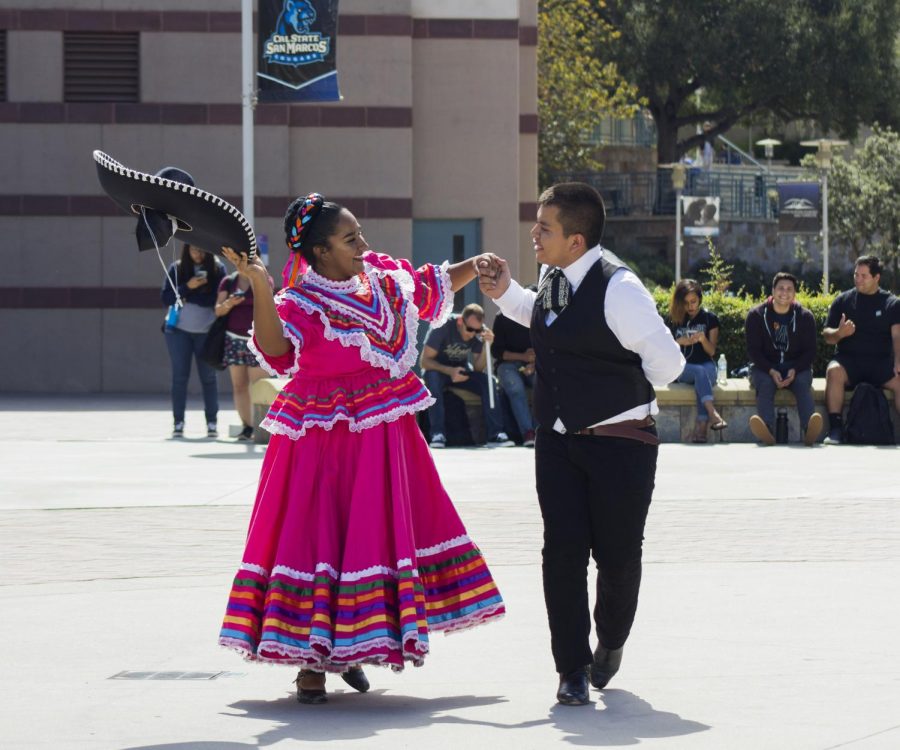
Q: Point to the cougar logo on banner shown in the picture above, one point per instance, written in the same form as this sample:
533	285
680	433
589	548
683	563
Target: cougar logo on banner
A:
297	55
293	43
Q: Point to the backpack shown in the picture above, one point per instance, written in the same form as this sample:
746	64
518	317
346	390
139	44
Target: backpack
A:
869	417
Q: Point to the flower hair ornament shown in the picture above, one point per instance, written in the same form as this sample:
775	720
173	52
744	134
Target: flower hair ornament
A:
297	265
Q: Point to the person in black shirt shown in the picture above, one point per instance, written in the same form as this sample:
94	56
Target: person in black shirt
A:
864	324
696	331
781	344
515	371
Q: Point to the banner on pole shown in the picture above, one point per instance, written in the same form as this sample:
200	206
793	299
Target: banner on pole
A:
799	208
297	51
701	216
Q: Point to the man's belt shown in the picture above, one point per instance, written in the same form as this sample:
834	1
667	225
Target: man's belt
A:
632	429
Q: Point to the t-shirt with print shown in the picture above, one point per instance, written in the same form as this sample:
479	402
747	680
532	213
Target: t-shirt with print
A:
781	327
703	322
450	347
873	315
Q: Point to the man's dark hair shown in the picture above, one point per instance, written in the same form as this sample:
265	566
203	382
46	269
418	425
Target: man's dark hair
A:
782	275
580	209
872	261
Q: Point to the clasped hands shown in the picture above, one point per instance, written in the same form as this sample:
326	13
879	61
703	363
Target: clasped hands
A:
493	274
783	381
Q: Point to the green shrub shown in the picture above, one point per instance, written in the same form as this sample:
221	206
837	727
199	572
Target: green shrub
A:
732	312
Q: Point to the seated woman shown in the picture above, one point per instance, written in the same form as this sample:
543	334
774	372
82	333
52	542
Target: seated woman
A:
696	331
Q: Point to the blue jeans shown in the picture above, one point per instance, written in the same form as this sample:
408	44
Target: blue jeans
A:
182	348
765	396
436	382
704	378
513	383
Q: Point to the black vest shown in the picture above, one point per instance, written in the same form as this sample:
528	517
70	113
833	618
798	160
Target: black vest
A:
584	375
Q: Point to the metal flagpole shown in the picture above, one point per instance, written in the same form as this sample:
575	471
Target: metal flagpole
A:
248	103
825	279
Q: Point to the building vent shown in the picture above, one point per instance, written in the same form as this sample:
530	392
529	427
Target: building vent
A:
2	65
101	66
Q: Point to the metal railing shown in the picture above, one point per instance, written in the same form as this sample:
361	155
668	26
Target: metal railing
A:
743	194
640	130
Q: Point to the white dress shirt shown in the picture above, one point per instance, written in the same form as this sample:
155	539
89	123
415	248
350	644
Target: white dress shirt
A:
631	315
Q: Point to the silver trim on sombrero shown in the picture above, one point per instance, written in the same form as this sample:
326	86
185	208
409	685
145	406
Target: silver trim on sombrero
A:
107	162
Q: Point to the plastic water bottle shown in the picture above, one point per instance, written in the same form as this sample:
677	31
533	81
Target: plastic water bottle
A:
172	317
722	370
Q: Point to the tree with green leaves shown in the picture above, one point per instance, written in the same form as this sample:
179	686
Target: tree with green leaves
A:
864	200
830	62
575	89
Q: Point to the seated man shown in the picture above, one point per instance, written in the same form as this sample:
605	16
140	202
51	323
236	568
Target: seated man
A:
515	371
781	344
864	323
445	362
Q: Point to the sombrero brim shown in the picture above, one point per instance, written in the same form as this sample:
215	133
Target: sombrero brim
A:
204	220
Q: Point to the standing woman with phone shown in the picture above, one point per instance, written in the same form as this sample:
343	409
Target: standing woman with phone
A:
196	275
235	299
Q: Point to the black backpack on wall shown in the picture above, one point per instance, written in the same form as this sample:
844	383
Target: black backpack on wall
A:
869	417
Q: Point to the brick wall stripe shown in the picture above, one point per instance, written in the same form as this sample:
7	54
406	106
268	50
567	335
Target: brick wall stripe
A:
178	113
528	211
181	21
269	206
528	123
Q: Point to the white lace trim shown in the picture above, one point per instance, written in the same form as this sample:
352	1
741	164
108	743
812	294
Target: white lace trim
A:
337	659
443	546
446	309
405	563
347	286
359	340
471	620
297	342
272	425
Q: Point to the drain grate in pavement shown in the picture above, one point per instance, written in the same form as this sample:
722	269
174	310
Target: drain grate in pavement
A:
171	675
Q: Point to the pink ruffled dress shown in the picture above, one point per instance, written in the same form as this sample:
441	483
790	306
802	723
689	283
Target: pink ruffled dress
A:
355	552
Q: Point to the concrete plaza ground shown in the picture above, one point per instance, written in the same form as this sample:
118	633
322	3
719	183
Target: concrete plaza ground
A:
769	615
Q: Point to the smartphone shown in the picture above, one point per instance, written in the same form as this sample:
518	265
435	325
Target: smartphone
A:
240	293
201	274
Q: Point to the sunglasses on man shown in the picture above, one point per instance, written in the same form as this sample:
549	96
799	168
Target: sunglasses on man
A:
474	330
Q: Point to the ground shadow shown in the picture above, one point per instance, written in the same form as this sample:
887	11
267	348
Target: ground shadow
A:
618	718
346	716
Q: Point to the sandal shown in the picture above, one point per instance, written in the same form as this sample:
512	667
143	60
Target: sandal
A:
698	439
720	425
311	687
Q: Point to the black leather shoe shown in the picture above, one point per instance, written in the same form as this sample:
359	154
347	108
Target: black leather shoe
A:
573	688
356	679
606	663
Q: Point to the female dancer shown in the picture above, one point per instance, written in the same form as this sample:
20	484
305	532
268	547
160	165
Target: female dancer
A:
355	552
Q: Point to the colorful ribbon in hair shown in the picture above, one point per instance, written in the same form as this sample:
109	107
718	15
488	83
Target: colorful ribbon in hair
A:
297	265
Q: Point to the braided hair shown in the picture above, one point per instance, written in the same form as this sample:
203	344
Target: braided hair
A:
309	222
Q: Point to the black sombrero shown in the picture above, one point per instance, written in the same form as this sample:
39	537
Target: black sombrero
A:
168	204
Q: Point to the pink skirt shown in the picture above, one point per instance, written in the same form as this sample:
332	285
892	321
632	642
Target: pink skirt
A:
354	554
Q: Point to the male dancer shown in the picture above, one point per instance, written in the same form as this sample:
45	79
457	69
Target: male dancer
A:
600	346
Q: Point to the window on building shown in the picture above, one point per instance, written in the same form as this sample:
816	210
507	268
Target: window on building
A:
101	66
2	65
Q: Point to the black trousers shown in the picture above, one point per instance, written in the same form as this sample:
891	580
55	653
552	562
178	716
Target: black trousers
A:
594	494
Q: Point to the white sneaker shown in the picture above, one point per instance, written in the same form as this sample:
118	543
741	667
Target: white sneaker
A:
438	440
501	441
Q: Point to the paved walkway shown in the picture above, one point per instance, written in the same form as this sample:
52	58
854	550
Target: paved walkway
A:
769	612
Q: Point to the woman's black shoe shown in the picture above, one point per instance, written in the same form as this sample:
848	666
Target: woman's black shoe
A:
606	663
356	678
310	695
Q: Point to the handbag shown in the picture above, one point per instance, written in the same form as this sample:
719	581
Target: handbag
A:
213	351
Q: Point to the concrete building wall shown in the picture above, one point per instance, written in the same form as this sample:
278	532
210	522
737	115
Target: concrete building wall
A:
438	121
